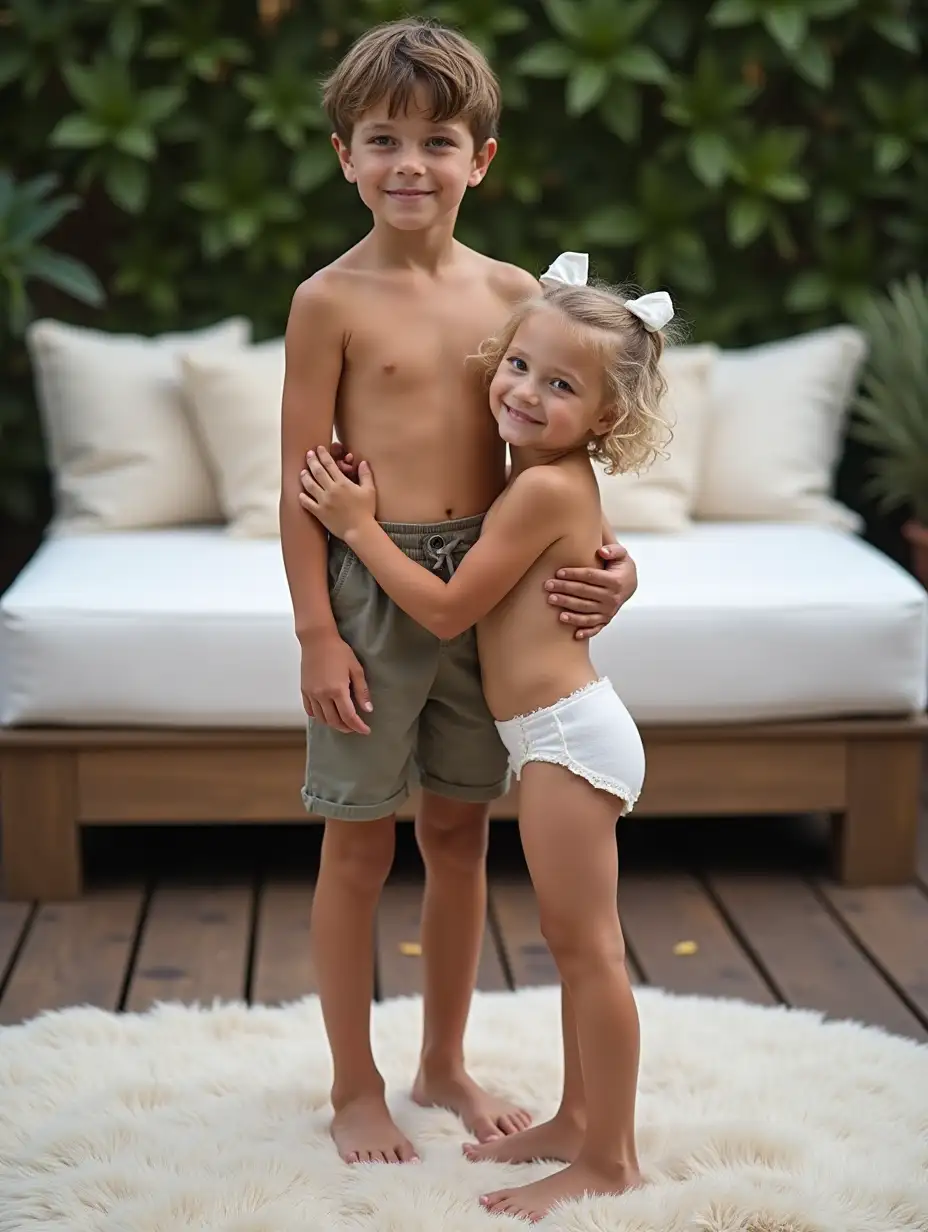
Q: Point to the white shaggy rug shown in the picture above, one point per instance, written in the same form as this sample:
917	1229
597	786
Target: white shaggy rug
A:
751	1120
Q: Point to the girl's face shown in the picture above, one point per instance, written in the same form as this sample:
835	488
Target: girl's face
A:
549	391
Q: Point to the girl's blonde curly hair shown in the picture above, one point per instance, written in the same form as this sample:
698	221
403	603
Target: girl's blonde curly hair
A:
631	357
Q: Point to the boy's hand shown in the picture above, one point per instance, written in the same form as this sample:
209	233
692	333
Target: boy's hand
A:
340	505
589	598
332	684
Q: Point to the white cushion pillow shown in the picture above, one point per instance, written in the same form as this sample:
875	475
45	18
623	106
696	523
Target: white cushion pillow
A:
774	435
661	498
121	448
234	399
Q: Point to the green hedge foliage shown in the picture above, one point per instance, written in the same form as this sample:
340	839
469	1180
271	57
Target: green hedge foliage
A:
766	160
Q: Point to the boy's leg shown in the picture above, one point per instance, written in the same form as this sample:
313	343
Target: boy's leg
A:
452	836
356	859
560	1138
356	782
568	834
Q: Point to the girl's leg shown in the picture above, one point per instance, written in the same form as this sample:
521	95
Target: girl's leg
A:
568	834
562	1136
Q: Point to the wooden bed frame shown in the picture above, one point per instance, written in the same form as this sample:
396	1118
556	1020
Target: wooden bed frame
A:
865	773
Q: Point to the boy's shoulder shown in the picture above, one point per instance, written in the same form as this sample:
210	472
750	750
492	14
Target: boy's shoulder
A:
325	293
510	282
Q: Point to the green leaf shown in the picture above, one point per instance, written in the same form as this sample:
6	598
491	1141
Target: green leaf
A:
125	33
40	219
642	65
830	8
13	63
136	141
621	111
566	17
890	152
68	275
616	226
814	63
243	227
546	60
832	207
87	85
127	183
733	12
313	166
788	186
788	26
898	31
158	104
810	292
747	218
78	132
586	85
710	157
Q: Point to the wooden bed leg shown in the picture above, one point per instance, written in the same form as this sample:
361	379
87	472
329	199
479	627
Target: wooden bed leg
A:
876	838
40	854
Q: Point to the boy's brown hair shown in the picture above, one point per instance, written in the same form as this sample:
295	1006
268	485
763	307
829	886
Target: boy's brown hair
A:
392	59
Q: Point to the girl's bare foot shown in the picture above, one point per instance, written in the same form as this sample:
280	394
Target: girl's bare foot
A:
532	1202
364	1133
560	1138
486	1116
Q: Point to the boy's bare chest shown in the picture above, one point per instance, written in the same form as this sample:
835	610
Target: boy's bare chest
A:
410	342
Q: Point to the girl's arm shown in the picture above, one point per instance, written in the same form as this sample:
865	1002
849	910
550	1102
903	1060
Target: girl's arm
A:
523	526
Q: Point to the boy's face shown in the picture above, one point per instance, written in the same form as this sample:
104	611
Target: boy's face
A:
412	172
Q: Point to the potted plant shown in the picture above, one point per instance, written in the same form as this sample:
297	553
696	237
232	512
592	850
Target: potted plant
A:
891	412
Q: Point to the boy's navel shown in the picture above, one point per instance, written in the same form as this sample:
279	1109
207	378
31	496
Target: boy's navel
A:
389	369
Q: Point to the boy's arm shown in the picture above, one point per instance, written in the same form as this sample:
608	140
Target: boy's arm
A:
523	527
329	670
588	598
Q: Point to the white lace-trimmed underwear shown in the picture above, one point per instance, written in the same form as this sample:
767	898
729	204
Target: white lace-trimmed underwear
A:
589	732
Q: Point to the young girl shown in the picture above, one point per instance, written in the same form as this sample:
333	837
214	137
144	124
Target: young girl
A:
575	376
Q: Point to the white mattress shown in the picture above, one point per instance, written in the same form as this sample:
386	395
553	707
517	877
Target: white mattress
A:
731	622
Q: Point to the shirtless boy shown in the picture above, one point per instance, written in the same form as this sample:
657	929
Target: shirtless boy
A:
376	347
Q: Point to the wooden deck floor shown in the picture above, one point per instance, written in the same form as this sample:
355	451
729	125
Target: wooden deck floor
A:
194	915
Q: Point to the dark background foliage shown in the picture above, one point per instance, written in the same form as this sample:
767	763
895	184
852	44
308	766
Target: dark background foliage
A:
766	160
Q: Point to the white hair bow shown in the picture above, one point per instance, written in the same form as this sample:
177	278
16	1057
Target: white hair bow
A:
572	269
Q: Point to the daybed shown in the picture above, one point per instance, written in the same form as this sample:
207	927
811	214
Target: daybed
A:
148	670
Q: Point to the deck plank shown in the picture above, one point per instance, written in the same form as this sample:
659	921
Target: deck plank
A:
807	955
515	911
283	967
14	920
76	953
194	946
399	964
891	923
661	911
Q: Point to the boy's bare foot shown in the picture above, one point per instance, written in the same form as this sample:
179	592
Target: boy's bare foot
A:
365	1133
532	1202
560	1138
486	1117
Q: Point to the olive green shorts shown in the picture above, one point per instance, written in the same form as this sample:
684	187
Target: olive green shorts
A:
430	725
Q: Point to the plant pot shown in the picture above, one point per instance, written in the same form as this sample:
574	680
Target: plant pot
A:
917	536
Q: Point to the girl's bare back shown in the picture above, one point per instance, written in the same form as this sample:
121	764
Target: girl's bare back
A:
525	659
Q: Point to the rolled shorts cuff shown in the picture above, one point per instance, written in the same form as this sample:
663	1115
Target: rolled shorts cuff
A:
471	795
353	812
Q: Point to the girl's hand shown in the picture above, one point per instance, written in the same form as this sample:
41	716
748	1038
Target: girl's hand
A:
340	505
